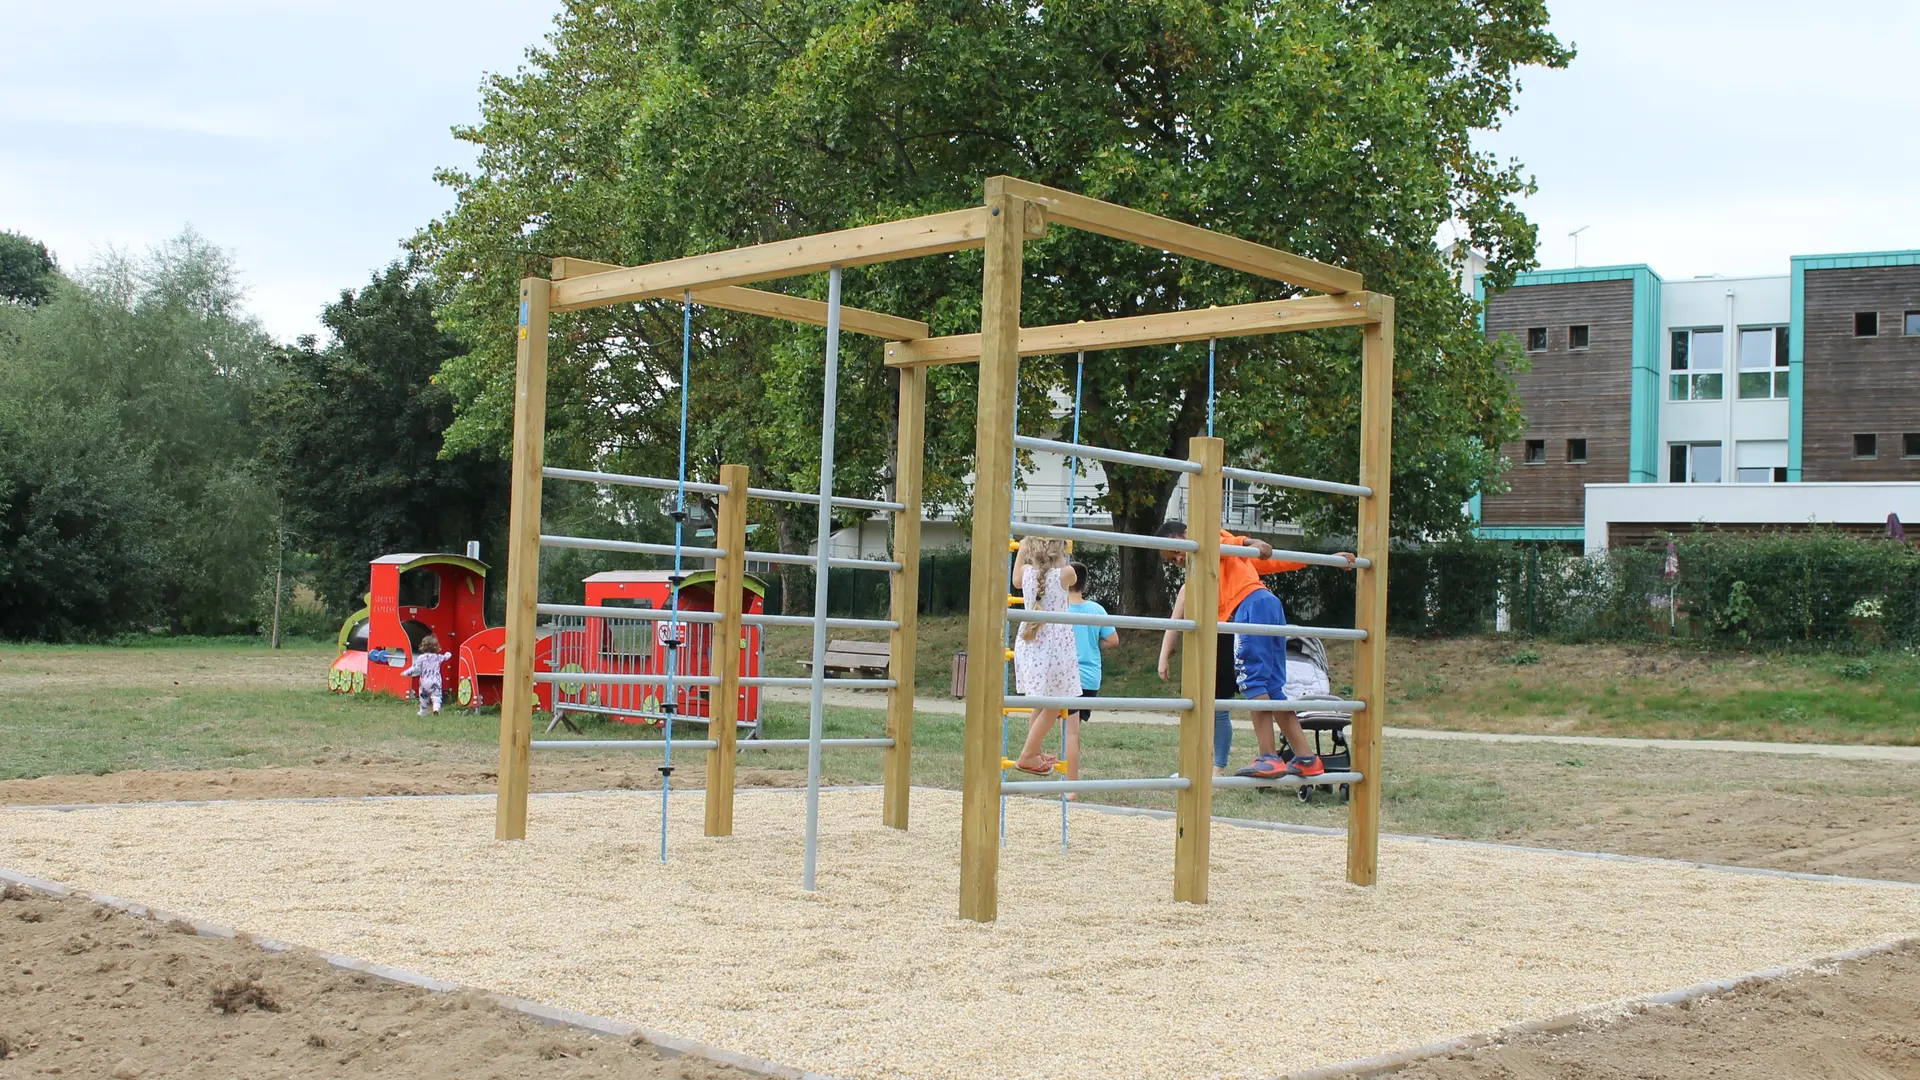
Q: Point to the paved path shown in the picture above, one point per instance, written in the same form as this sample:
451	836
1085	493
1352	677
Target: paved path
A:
871	699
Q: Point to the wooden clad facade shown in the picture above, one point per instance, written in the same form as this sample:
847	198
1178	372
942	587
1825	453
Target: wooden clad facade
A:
1571	393
1854	385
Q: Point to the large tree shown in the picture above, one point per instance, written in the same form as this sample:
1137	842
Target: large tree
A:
153	363
27	272
354	432
1339	129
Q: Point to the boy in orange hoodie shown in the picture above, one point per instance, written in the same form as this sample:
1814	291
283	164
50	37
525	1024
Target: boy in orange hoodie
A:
1259	661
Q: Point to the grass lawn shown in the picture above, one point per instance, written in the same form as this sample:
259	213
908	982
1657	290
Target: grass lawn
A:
228	704
1502	683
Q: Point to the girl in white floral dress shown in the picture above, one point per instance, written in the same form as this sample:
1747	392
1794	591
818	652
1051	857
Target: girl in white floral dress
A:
1045	661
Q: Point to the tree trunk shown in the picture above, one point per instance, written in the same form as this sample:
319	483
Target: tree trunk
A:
792	541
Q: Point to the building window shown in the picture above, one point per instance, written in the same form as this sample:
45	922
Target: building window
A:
1576	451
1866	447
1699	358
1693	463
1536	452
1760	461
1536	339
1578	337
1913	324
1866	324
1763	363
1910	444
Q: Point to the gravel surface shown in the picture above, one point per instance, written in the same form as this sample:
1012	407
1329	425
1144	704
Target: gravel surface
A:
1092	971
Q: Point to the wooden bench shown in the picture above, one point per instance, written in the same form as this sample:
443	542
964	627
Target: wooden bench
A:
861	659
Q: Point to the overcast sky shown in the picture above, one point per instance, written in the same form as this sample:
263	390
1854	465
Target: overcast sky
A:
1700	136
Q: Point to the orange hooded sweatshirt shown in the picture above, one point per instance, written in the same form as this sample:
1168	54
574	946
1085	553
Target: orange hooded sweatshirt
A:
1240	574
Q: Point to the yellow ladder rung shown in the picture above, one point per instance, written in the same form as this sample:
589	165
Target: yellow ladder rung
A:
1016	601
1009	654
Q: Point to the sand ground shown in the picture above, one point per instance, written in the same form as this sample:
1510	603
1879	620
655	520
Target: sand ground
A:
873	976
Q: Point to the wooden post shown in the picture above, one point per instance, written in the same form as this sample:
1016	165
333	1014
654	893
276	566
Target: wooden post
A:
523	558
730	536
1370	596
903	644
1198	658
987	594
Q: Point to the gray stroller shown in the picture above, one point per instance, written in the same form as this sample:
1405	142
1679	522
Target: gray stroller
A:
1328	727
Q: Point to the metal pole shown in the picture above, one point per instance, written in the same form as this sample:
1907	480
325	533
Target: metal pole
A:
816	714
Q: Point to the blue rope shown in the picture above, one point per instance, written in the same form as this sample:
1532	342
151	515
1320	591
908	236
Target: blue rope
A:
679	537
1211	342
1073	475
1006	637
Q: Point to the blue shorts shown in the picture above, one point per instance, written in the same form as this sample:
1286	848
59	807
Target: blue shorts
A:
1260	662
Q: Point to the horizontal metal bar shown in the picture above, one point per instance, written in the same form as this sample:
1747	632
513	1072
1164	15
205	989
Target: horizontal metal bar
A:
811	499
623	744
634	547
1062	787
1329	633
1315	558
1087	618
799	744
1287	705
1101	453
1301	483
1287	781
658	483
802	681
810	560
1099	536
832	623
629	614
596	678
1133	704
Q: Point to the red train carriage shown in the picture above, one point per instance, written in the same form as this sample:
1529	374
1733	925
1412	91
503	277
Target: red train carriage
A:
408	597
413	595
616	646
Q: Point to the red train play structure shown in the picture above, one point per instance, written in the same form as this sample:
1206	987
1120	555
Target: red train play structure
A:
413	595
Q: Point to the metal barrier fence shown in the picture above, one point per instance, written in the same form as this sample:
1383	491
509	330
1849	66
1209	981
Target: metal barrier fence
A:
607	659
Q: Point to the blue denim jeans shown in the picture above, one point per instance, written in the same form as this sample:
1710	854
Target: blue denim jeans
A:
1222	737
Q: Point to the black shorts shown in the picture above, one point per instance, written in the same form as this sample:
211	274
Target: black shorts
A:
1225	686
1083	714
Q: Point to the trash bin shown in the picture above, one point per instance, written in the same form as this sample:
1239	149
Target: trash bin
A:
959	675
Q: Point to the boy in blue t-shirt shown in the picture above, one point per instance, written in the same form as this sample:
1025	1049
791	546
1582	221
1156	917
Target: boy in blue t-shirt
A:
1089	641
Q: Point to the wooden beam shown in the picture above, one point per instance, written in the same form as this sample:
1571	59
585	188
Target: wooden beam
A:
1200	324
567	266
992	529
1152	230
932	234
1370	597
775	305
910	452
802	310
523	559
1193	808
730	536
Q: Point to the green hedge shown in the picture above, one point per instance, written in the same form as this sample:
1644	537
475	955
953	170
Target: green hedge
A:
1772	589
1819	588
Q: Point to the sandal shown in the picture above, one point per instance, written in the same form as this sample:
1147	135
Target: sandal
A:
1046	769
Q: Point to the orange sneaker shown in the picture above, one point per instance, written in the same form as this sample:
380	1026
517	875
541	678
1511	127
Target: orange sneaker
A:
1309	765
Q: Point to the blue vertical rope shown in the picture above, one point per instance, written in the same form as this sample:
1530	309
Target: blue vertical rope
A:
675	644
1211	342
1073	475
1006	637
